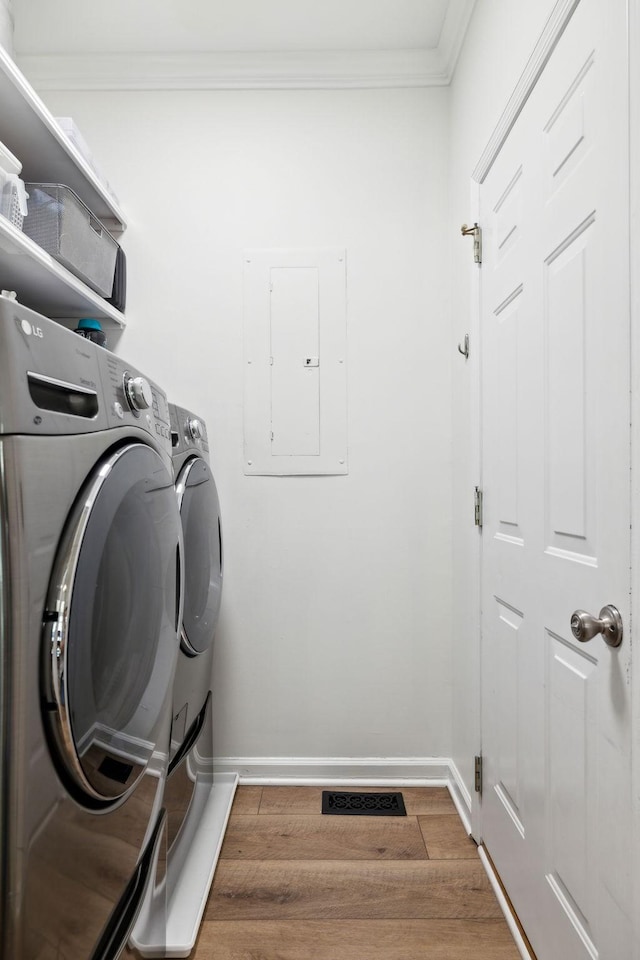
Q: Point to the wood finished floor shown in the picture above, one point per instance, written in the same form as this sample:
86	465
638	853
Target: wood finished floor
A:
292	884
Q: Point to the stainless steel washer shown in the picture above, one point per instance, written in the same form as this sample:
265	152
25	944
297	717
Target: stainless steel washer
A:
90	579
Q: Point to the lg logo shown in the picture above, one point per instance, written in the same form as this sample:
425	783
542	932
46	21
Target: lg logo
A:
30	330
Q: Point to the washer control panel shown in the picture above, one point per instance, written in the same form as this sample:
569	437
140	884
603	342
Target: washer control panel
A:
54	382
160	409
137	390
132	398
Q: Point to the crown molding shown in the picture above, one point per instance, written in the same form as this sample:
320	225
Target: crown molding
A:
348	69
235	71
453	33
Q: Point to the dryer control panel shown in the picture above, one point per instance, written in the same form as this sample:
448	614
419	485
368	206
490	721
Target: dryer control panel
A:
188	431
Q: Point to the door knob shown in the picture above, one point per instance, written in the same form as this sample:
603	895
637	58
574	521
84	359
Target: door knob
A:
584	627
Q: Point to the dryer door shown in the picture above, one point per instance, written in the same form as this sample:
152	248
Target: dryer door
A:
111	626
200	515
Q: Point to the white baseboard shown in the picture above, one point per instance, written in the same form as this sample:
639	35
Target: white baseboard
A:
321	771
460	796
504	905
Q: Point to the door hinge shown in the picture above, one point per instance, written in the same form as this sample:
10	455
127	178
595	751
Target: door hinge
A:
476	232
478	774
477	507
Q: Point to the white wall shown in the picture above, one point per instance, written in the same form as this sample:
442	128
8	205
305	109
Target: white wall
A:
6	25
499	41
335	634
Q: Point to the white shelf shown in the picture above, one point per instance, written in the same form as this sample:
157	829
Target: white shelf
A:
43	284
30	131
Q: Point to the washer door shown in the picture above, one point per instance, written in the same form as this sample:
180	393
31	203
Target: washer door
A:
202	533
111	625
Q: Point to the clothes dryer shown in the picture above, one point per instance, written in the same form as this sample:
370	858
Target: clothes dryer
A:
90	586
197	801
199	508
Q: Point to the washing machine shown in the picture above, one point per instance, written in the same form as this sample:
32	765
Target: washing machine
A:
90	607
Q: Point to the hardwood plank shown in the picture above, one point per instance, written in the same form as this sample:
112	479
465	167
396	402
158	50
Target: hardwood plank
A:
323	838
427	801
338	890
446	838
295	801
38	948
246	801
419	801
355	940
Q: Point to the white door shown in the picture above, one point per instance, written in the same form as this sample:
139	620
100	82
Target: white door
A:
556	718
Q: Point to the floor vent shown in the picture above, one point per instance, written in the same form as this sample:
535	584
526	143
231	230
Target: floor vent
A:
363	804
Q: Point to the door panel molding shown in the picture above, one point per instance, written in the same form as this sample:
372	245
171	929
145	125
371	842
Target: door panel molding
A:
554	28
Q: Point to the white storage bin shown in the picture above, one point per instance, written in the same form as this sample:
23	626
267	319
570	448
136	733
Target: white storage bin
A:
13	197
70	129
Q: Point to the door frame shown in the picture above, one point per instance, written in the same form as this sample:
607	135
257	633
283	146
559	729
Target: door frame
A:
633	14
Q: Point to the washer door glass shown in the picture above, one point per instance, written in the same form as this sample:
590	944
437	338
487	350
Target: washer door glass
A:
111	624
202	533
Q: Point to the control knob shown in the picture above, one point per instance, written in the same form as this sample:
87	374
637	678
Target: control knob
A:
196	431
138	392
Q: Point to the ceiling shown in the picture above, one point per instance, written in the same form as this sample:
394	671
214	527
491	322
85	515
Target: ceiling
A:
227	44
180	26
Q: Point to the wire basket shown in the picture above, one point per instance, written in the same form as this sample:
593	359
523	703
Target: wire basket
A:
63	225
